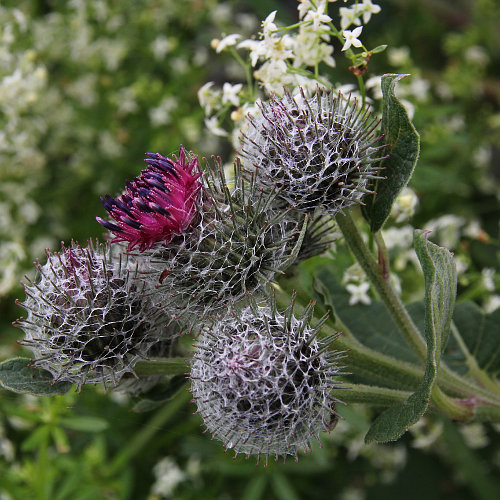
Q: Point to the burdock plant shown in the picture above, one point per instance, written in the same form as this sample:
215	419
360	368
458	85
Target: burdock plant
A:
239	244
262	380
88	319
318	151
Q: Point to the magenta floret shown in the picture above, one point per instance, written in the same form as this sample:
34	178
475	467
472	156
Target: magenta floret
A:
158	204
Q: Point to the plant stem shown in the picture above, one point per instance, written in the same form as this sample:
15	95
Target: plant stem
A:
450	407
374	366
160	366
360	393
471	362
463	387
361	84
383	287
140	439
448	379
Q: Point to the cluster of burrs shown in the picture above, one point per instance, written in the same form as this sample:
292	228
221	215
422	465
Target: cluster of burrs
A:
198	248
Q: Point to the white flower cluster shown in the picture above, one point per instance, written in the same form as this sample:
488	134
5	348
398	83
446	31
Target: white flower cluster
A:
22	82
282	57
47	118
168	475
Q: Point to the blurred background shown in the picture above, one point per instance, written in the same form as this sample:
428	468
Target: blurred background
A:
86	88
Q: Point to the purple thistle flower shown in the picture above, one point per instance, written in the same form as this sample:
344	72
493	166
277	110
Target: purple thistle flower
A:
158	204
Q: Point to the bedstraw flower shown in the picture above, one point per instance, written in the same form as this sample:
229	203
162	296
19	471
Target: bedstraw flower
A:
262	381
317	152
157	205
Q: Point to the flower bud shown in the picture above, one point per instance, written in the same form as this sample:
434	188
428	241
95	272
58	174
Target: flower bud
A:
262	381
88	320
237	247
317	152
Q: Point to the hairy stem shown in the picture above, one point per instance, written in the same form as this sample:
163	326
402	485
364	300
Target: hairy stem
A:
360	393
448	380
146	433
160	366
383	287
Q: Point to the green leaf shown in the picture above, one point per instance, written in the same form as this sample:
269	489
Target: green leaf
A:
378	49
37	439
255	488
18	375
85	423
480	334
440	290
403	150
282	488
156	399
371	324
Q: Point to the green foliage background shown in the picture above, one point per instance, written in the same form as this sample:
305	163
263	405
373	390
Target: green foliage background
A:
88	122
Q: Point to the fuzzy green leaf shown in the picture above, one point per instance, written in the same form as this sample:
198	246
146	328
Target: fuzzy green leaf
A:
440	290
403	149
17	375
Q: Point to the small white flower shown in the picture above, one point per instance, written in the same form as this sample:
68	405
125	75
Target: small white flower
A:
461	265
349	16
474	435
351	37
213	127
268	25
398	237
448	228
477	55
318	16
473	230
271	74
398	56
255	48
405	204
419	88
492	303
487	275
359	293
160	47
482	157
209	98
168	476
368	9
354	273
304	7
162	114
230	93
227	41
